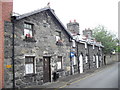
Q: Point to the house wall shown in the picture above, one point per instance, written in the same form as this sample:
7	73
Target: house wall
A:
6	7
90	52
45	27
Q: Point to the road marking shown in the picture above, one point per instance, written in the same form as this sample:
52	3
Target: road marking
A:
79	79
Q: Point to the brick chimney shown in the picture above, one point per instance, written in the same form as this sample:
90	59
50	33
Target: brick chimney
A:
73	27
6	8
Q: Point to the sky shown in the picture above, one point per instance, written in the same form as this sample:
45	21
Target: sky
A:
88	13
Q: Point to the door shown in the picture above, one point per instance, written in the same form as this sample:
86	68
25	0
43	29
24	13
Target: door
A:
46	70
97	63
81	63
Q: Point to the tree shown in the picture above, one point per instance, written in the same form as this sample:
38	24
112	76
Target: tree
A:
107	39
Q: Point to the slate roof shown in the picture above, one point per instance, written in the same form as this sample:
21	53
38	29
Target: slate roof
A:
44	9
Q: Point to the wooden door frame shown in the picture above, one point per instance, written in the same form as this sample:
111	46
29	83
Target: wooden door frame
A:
49	67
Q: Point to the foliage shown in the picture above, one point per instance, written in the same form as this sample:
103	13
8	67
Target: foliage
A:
107	39
118	49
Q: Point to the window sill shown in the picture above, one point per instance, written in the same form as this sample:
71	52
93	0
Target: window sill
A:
59	43
30	75
60	70
28	39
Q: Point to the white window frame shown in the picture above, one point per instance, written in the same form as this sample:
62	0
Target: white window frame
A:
59	63
28	29
75	61
57	38
93	46
85	45
30	65
94	58
86	59
99	48
73	43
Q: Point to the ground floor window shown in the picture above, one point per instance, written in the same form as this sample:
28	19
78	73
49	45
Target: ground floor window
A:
93	58
59	63
86	59
100	57
74	61
29	65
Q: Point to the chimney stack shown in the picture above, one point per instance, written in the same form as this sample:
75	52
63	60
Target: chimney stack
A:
87	32
6	8
73	27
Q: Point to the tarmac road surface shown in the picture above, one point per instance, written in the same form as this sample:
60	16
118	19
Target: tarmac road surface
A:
106	78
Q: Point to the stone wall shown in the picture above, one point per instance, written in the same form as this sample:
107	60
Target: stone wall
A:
111	58
44	44
8	55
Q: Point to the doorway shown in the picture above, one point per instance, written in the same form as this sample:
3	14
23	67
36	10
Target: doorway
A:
97	63
46	69
81	63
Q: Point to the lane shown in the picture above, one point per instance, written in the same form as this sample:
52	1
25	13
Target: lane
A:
107	78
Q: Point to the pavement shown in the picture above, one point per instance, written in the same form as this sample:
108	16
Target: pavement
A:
67	80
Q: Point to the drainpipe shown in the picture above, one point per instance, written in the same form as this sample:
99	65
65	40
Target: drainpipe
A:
78	59
99	56
88	55
70	62
13	64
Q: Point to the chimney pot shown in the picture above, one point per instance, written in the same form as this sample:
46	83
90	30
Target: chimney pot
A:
74	20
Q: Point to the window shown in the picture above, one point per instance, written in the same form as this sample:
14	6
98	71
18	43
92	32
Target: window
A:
59	63
28	30
58	36
74	60
73	43
93	46
85	45
29	65
94	58
86	59
99	48
100	58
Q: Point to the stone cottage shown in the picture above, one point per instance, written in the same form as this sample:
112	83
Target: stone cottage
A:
89	54
42	47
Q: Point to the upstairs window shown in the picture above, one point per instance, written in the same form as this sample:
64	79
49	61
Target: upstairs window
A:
73	43
58	38
28	30
85	45
28	33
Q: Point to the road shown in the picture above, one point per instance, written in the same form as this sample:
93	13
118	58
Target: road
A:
106	78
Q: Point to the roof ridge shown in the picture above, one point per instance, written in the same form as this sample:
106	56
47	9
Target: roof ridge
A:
32	12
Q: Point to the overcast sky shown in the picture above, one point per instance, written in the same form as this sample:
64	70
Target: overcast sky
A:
88	13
